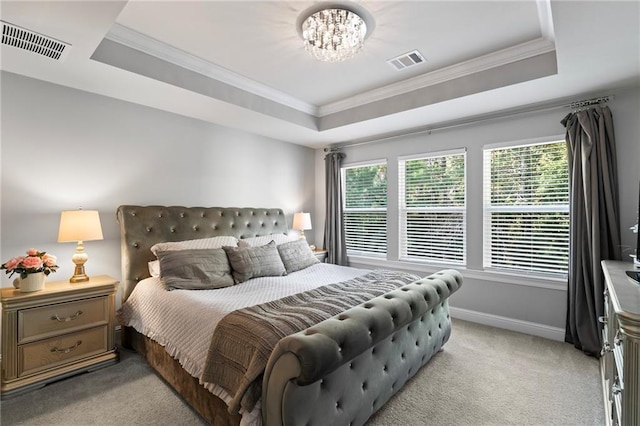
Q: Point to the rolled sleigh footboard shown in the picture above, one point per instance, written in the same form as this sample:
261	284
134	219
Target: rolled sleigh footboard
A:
345	368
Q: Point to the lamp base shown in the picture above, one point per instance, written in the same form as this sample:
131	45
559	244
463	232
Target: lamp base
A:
79	278
79	275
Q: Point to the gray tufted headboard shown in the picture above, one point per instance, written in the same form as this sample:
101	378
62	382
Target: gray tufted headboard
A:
143	226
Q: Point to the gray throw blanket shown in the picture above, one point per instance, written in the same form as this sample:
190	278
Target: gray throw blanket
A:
244	339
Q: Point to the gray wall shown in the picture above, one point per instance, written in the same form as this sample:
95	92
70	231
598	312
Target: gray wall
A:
520	303
63	149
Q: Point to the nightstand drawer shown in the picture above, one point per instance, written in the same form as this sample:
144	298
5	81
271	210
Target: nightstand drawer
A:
52	352
49	321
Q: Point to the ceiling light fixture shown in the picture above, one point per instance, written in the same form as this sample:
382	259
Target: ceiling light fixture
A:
333	35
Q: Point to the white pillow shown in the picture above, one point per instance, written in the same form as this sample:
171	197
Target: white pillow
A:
154	268
265	239
203	243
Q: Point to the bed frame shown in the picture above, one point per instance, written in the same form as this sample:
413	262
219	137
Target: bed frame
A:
339	371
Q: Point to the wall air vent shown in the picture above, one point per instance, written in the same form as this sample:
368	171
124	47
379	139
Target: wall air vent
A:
21	38
407	60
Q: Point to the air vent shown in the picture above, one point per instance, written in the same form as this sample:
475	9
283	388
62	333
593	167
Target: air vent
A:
21	38
407	60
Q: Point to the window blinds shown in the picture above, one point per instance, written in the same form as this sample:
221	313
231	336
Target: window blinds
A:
526	212
365	209
433	207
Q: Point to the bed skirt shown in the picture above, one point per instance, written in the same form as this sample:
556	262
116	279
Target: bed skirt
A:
209	406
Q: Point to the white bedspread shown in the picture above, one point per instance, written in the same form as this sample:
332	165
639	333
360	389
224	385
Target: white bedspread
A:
183	321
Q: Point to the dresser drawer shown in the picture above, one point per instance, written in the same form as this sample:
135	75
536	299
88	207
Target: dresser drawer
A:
51	320
55	351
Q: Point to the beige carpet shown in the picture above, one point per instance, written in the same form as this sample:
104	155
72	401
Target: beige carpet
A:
484	376
488	376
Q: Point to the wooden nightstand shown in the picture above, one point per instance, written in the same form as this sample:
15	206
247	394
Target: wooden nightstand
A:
56	332
320	254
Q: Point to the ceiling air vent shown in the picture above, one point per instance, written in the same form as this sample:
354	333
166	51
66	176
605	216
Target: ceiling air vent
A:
21	38
407	60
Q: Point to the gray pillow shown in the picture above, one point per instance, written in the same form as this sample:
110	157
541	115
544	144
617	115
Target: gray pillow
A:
297	255
253	262
195	269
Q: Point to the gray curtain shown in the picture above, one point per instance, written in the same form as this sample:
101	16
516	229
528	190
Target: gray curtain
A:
334	240
594	219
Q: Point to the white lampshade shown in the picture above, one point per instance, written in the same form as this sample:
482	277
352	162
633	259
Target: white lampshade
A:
301	221
79	225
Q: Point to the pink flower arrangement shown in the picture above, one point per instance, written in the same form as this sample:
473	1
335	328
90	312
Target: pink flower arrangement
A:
34	261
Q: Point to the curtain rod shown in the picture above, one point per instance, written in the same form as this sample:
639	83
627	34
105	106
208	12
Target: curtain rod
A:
459	123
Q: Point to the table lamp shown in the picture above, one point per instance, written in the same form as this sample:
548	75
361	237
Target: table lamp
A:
79	225
302	222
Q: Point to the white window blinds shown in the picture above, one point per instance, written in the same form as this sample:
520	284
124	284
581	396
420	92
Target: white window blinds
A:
365	209
526	212
433	207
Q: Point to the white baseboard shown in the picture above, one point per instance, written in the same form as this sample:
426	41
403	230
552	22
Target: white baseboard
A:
535	329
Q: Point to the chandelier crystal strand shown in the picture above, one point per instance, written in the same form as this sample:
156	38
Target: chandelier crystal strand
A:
333	35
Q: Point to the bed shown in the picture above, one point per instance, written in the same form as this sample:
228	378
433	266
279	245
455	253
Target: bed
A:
339	370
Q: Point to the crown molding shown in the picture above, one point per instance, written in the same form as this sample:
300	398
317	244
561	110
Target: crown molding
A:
138	41
501	57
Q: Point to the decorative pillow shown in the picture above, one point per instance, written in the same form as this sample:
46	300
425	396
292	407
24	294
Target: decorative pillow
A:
252	262
264	239
198	269
154	268
202	243
296	255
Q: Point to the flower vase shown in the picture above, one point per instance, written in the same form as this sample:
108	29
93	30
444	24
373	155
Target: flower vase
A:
33	282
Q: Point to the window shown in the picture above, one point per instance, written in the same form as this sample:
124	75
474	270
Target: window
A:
365	208
432	207
526	212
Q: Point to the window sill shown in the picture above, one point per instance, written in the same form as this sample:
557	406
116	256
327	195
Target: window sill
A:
551	283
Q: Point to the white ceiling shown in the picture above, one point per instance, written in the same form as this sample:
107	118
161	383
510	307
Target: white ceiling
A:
242	64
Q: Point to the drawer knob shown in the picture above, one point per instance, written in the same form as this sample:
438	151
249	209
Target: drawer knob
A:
616	389
66	350
618	339
67	319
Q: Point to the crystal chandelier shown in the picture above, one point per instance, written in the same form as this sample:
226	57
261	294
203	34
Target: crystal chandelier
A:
333	35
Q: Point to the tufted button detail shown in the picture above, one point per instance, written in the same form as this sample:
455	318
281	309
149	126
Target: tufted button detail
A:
136	245
195	227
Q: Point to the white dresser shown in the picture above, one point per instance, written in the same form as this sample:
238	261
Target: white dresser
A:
620	361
